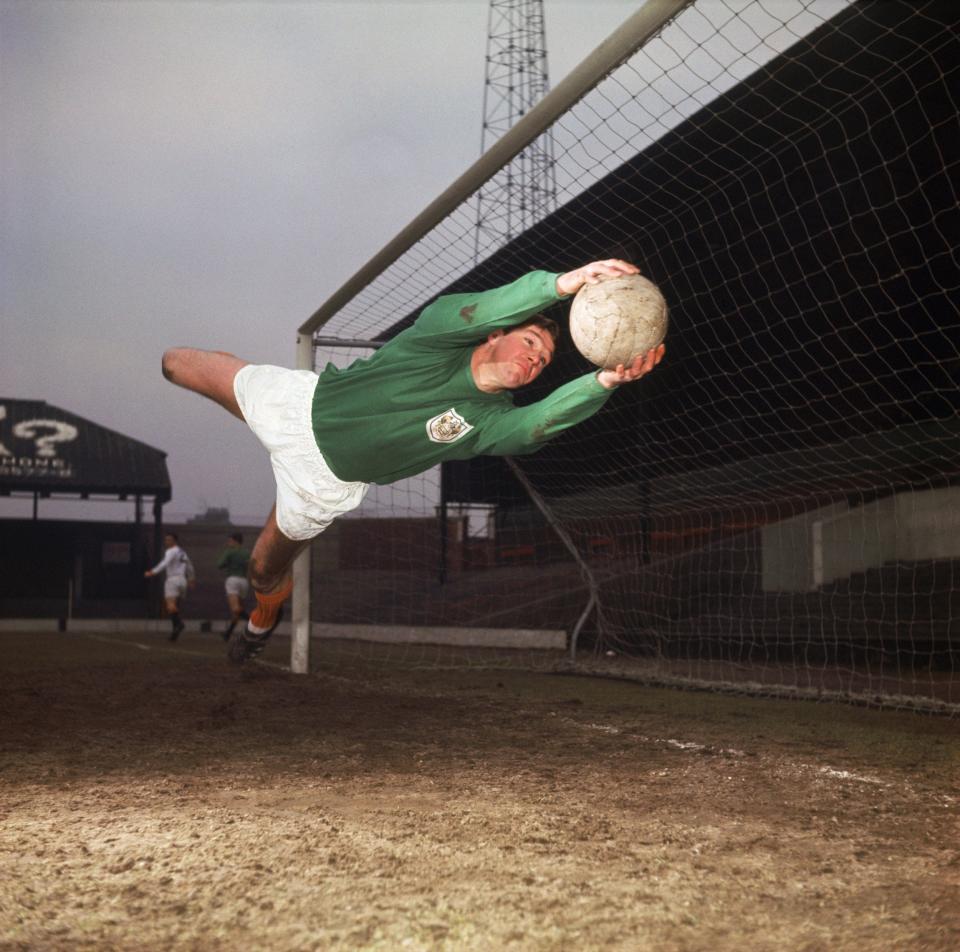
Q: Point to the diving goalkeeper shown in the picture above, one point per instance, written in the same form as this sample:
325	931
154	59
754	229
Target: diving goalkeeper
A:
439	390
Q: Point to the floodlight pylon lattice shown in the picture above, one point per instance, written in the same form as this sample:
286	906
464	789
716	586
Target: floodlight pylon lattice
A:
525	190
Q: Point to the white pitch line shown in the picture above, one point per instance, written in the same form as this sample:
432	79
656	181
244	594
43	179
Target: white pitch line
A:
171	650
115	641
665	742
693	746
846	775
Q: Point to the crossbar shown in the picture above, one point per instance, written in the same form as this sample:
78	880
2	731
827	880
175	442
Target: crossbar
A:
620	45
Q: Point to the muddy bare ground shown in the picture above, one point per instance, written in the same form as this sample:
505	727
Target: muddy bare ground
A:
155	799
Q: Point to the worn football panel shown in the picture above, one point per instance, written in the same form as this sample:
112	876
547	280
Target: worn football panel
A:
615	320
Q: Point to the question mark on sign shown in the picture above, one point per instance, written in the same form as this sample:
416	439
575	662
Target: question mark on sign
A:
62	433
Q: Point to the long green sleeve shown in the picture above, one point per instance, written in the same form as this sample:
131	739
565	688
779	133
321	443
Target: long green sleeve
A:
414	403
526	429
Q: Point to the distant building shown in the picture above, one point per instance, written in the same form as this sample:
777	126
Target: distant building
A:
214	515
61	568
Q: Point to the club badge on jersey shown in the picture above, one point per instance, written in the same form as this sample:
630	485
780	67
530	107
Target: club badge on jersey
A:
447	426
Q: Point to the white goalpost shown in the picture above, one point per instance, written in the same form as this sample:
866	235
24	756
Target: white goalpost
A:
776	508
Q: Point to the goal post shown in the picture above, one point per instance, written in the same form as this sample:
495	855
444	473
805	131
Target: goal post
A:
300	602
606	57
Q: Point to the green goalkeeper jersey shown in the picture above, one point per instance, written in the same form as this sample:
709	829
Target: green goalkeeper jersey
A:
234	561
414	403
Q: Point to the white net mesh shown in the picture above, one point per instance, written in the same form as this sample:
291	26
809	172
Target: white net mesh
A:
777	505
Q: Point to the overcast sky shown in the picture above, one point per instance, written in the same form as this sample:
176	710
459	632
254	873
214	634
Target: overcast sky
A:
207	173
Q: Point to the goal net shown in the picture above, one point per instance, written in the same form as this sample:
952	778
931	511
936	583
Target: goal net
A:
777	506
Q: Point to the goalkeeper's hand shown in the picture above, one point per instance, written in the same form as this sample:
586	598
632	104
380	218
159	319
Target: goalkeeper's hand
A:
592	273
642	364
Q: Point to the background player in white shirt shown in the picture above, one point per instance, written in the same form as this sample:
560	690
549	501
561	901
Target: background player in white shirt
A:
179	577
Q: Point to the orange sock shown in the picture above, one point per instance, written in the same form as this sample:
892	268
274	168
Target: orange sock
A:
265	614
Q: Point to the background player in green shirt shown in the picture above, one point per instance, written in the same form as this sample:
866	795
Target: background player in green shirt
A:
233	562
439	390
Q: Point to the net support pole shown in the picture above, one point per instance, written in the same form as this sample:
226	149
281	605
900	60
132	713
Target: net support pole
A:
619	46
300	601
585	571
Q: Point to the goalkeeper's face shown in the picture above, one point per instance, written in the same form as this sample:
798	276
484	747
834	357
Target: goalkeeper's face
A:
520	355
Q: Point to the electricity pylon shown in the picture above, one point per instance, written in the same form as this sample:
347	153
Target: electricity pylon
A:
524	191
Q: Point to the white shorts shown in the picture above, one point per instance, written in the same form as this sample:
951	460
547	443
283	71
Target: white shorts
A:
174	587
277	404
237	585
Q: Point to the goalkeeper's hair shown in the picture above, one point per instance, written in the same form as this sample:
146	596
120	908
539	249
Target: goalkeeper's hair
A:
547	323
